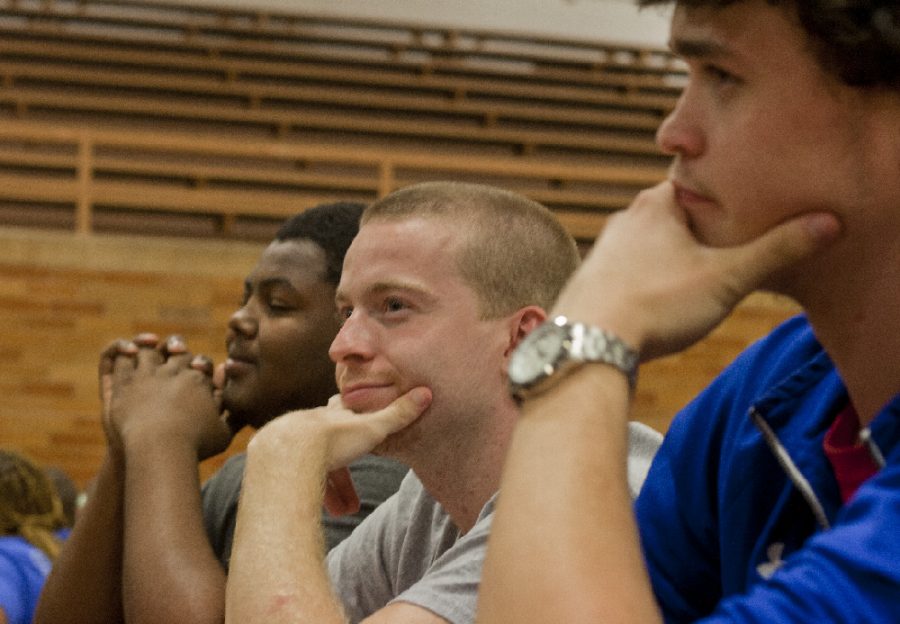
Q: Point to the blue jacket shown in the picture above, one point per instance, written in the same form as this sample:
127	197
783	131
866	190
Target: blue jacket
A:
730	535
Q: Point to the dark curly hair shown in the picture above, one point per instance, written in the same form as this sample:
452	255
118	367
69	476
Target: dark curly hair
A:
330	226
857	40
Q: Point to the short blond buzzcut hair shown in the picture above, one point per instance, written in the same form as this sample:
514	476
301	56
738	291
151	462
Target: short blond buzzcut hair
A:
517	253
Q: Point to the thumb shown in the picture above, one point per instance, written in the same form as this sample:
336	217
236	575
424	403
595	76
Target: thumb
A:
786	244
107	364
401	412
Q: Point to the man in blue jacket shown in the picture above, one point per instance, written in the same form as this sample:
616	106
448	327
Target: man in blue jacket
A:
776	495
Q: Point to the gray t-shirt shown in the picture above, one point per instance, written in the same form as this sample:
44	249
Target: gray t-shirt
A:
375	478
410	550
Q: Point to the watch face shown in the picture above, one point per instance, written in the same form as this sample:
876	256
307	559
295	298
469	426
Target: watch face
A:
537	354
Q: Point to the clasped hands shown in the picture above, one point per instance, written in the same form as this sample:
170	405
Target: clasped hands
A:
157	392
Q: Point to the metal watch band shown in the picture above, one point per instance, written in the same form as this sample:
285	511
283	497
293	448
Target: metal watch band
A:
557	347
599	345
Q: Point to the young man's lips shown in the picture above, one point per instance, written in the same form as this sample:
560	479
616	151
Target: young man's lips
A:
686	197
366	396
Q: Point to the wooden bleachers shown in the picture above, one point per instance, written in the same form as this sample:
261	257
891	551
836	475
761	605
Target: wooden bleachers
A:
238	57
269	32
444	99
101	170
229	116
25	101
449	111
457	80
357	79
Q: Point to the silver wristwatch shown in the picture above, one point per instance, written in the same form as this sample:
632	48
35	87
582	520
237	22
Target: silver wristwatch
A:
558	346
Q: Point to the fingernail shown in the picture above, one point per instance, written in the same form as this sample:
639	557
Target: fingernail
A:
146	339
127	346
175	343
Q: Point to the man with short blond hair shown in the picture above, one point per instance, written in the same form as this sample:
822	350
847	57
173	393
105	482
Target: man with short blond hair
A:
442	282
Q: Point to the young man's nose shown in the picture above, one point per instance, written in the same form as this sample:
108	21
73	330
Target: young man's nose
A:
243	322
354	340
679	134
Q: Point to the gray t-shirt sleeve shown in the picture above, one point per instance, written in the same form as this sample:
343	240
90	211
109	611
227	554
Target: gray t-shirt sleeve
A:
219	499
375	478
643	442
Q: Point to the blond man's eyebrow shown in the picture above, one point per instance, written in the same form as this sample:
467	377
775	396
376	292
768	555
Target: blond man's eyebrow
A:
382	287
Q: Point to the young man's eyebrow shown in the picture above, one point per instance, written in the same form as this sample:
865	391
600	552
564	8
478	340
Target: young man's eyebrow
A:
699	48
275	281
383	287
268	282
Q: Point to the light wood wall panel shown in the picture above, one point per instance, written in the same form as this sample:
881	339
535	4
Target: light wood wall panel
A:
63	297
668	384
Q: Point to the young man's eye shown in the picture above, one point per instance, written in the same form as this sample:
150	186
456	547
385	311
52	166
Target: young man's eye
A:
394	304
720	75
343	313
279	306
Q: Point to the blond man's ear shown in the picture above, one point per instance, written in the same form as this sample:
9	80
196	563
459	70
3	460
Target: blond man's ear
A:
523	322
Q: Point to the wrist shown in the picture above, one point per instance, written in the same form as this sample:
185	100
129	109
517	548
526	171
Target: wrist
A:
287	442
150	441
583	395
560	347
274	461
623	322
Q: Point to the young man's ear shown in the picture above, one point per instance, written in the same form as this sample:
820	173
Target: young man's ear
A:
523	322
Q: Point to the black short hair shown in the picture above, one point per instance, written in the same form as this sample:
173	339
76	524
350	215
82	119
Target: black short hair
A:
330	226
856	40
